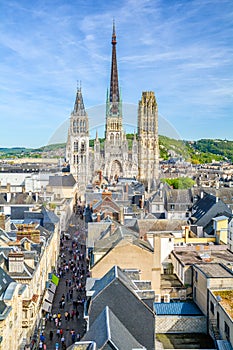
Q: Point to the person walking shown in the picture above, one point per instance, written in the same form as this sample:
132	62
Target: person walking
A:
51	335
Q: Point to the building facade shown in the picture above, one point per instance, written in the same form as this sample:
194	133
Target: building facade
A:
114	158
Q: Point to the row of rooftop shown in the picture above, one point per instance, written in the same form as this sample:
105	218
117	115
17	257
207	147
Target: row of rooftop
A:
175	244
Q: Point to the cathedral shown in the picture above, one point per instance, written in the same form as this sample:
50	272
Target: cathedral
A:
115	158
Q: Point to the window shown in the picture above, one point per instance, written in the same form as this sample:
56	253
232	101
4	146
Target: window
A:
227	330
83	147
75	126
196	276
212	307
75	146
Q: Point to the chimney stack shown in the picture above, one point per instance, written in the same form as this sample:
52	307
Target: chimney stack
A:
156	268
8	197
2	221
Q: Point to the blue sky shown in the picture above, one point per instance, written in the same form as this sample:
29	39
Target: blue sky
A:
181	50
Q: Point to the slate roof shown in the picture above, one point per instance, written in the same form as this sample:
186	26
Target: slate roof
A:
109	333
120	234
95	230
5	281
3	306
179	196
4	237
206	208
4	310
223	193
156	197
120	297
62	181
49	216
180	309
114	273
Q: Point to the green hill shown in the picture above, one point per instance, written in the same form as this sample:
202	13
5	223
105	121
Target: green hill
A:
197	152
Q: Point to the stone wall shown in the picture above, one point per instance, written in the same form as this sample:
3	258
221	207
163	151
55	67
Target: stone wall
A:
180	324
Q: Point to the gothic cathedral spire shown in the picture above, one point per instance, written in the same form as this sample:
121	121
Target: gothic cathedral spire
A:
114	87
114	128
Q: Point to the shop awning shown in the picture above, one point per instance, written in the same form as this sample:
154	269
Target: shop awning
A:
52	287
55	279
47	306
49	296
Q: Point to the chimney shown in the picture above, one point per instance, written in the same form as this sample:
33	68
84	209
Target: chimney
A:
121	216
2	221
112	228
156	268
8	197
98	217
186	230
16	262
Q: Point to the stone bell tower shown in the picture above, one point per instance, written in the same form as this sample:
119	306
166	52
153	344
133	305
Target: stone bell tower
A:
148	141
77	147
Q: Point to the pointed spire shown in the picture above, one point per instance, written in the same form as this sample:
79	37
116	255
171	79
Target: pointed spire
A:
114	88
96	135
79	105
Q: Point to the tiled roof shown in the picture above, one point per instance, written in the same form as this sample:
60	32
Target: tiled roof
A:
180	309
167	225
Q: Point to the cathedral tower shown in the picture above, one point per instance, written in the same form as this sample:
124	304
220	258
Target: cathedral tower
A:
115	146
148	145
77	148
113	127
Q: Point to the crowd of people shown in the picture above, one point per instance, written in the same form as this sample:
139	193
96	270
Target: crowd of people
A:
65	324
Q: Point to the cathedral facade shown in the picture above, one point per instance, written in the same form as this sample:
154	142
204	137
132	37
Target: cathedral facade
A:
114	159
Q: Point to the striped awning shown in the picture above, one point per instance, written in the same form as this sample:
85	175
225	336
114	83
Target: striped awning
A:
47	306
52	287
49	296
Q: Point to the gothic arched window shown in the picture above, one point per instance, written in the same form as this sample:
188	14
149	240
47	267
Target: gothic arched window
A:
75	126
75	146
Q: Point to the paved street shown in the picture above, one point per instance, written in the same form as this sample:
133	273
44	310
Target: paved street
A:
66	324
